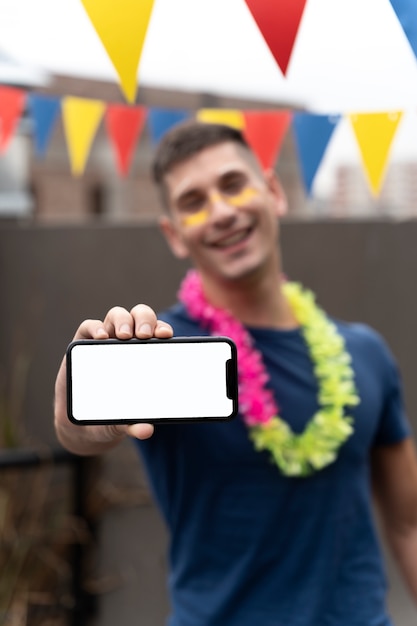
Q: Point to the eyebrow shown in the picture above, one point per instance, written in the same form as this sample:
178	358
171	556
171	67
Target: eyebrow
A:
230	171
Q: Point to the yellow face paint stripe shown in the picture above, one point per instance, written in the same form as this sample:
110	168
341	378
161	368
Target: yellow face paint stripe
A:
196	218
241	198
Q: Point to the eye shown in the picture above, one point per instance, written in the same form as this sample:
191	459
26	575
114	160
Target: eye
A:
190	203
233	184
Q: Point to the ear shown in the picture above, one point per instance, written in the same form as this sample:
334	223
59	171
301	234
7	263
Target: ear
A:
275	188
173	237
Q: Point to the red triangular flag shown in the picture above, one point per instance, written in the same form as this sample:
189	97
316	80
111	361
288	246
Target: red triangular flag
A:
124	125
11	107
278	21
264	131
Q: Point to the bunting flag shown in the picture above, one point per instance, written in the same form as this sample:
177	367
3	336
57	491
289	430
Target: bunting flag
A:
406	11
12	102
265	131
161	120
122	28
278	21
81	119
375	133
44	111
124	125
228	117
312	134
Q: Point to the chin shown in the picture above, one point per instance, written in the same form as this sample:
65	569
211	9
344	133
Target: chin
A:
241	274
243	269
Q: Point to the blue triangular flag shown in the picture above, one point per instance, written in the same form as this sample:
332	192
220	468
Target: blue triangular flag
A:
406	11
44	111
161	120
312	134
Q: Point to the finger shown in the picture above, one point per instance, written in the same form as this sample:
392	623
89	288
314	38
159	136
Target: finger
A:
145	321
119	323
141	431
91	329
163	330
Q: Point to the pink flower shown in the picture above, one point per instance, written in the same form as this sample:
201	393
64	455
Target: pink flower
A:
257	404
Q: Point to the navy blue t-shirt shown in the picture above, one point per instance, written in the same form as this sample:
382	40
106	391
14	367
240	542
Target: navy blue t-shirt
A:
250	546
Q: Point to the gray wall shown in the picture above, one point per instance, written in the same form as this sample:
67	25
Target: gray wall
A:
52	278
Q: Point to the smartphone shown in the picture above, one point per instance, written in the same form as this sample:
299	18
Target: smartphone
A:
151	380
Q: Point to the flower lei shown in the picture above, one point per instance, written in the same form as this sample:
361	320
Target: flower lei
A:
318	445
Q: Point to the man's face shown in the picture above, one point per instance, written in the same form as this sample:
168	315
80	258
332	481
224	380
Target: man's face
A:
223	212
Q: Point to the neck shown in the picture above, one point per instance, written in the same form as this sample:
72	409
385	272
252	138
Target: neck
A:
256	301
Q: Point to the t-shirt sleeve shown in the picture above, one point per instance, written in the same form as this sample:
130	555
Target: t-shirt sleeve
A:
182	324
393	425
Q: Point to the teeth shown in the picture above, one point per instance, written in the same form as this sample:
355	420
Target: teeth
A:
232	240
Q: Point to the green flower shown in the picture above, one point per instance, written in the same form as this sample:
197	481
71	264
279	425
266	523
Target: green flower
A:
318	445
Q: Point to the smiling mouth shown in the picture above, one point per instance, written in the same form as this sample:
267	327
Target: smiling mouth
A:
232	240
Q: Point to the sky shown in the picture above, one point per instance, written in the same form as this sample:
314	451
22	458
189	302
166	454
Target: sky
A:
349	54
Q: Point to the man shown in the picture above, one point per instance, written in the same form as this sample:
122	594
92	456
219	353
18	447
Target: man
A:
270	514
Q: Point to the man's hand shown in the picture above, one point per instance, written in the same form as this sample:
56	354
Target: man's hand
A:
140	322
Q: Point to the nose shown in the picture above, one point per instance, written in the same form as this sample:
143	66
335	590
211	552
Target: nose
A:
221	209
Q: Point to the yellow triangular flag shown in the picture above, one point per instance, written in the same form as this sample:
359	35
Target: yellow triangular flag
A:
229	117
375	133
81	118
122	28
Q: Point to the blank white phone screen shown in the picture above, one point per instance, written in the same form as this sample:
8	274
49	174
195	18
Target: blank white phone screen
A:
129	381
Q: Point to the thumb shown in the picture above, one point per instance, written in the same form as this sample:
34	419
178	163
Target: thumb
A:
141	431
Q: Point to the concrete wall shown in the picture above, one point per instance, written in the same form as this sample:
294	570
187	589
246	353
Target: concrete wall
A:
52	278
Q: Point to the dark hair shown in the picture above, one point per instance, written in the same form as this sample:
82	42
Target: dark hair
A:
184	141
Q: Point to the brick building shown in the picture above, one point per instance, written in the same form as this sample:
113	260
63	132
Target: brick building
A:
48	192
